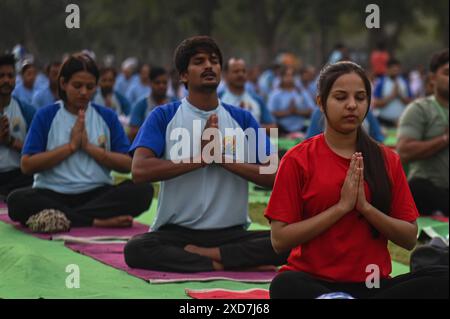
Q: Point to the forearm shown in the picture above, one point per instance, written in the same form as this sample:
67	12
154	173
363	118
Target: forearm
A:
417	150
251	172
155	169
293	235
17	145
281	114
405	100
380	103
133	130
43	161
112	160
304	112
398	231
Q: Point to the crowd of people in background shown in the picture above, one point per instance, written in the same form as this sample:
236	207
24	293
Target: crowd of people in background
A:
282	96
63	131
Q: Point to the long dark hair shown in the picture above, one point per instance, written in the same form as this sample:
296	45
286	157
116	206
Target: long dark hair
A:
375	172
75	63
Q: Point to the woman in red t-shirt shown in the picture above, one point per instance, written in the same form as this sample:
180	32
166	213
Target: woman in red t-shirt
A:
337	200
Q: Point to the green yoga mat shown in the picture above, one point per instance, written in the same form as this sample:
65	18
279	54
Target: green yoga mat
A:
34	268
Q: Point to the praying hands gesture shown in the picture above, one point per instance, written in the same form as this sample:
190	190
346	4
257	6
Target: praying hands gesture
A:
352	193
4	130
78	135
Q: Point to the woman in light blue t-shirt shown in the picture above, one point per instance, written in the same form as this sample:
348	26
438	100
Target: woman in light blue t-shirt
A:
71	148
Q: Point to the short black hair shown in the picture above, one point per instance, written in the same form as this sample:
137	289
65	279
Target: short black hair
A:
438	59
190	47
51	64
156	72
226	65
26	67
105	70
393	61
75	63
8	59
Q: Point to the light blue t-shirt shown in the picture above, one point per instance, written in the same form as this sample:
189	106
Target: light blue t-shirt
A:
394	109
122	84
79	173
120	104
143	108
43	98
19	116
210	197
23	94
137	91
248	102
280	100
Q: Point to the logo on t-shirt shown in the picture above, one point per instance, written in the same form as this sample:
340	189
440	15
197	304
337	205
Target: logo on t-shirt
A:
15	124
102	141
229	145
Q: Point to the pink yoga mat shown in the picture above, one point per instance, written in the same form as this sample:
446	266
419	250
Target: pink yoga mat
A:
256	293
81	232
112	255
3	208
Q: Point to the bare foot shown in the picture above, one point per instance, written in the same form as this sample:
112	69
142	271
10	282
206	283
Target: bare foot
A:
261	268
213	253
114	222
217	266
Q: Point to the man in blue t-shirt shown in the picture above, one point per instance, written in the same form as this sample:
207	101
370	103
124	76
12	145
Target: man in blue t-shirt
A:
107	96
391	95
15	119
159	80
49	94
235	93
25	90
140	88
126	77
202	218
289	106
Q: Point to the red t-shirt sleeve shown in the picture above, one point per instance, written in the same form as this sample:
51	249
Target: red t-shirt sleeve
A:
403	206
286	204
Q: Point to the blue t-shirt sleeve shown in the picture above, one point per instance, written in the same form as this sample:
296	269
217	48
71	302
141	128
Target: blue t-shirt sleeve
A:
266	117
408	88
378	92
36	140
375	129
152	134
124	103
118	139
28	112
138	113
317	124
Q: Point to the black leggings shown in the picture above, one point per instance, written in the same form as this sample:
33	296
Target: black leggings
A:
163	249
12	180
428	197
81	209
427	283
